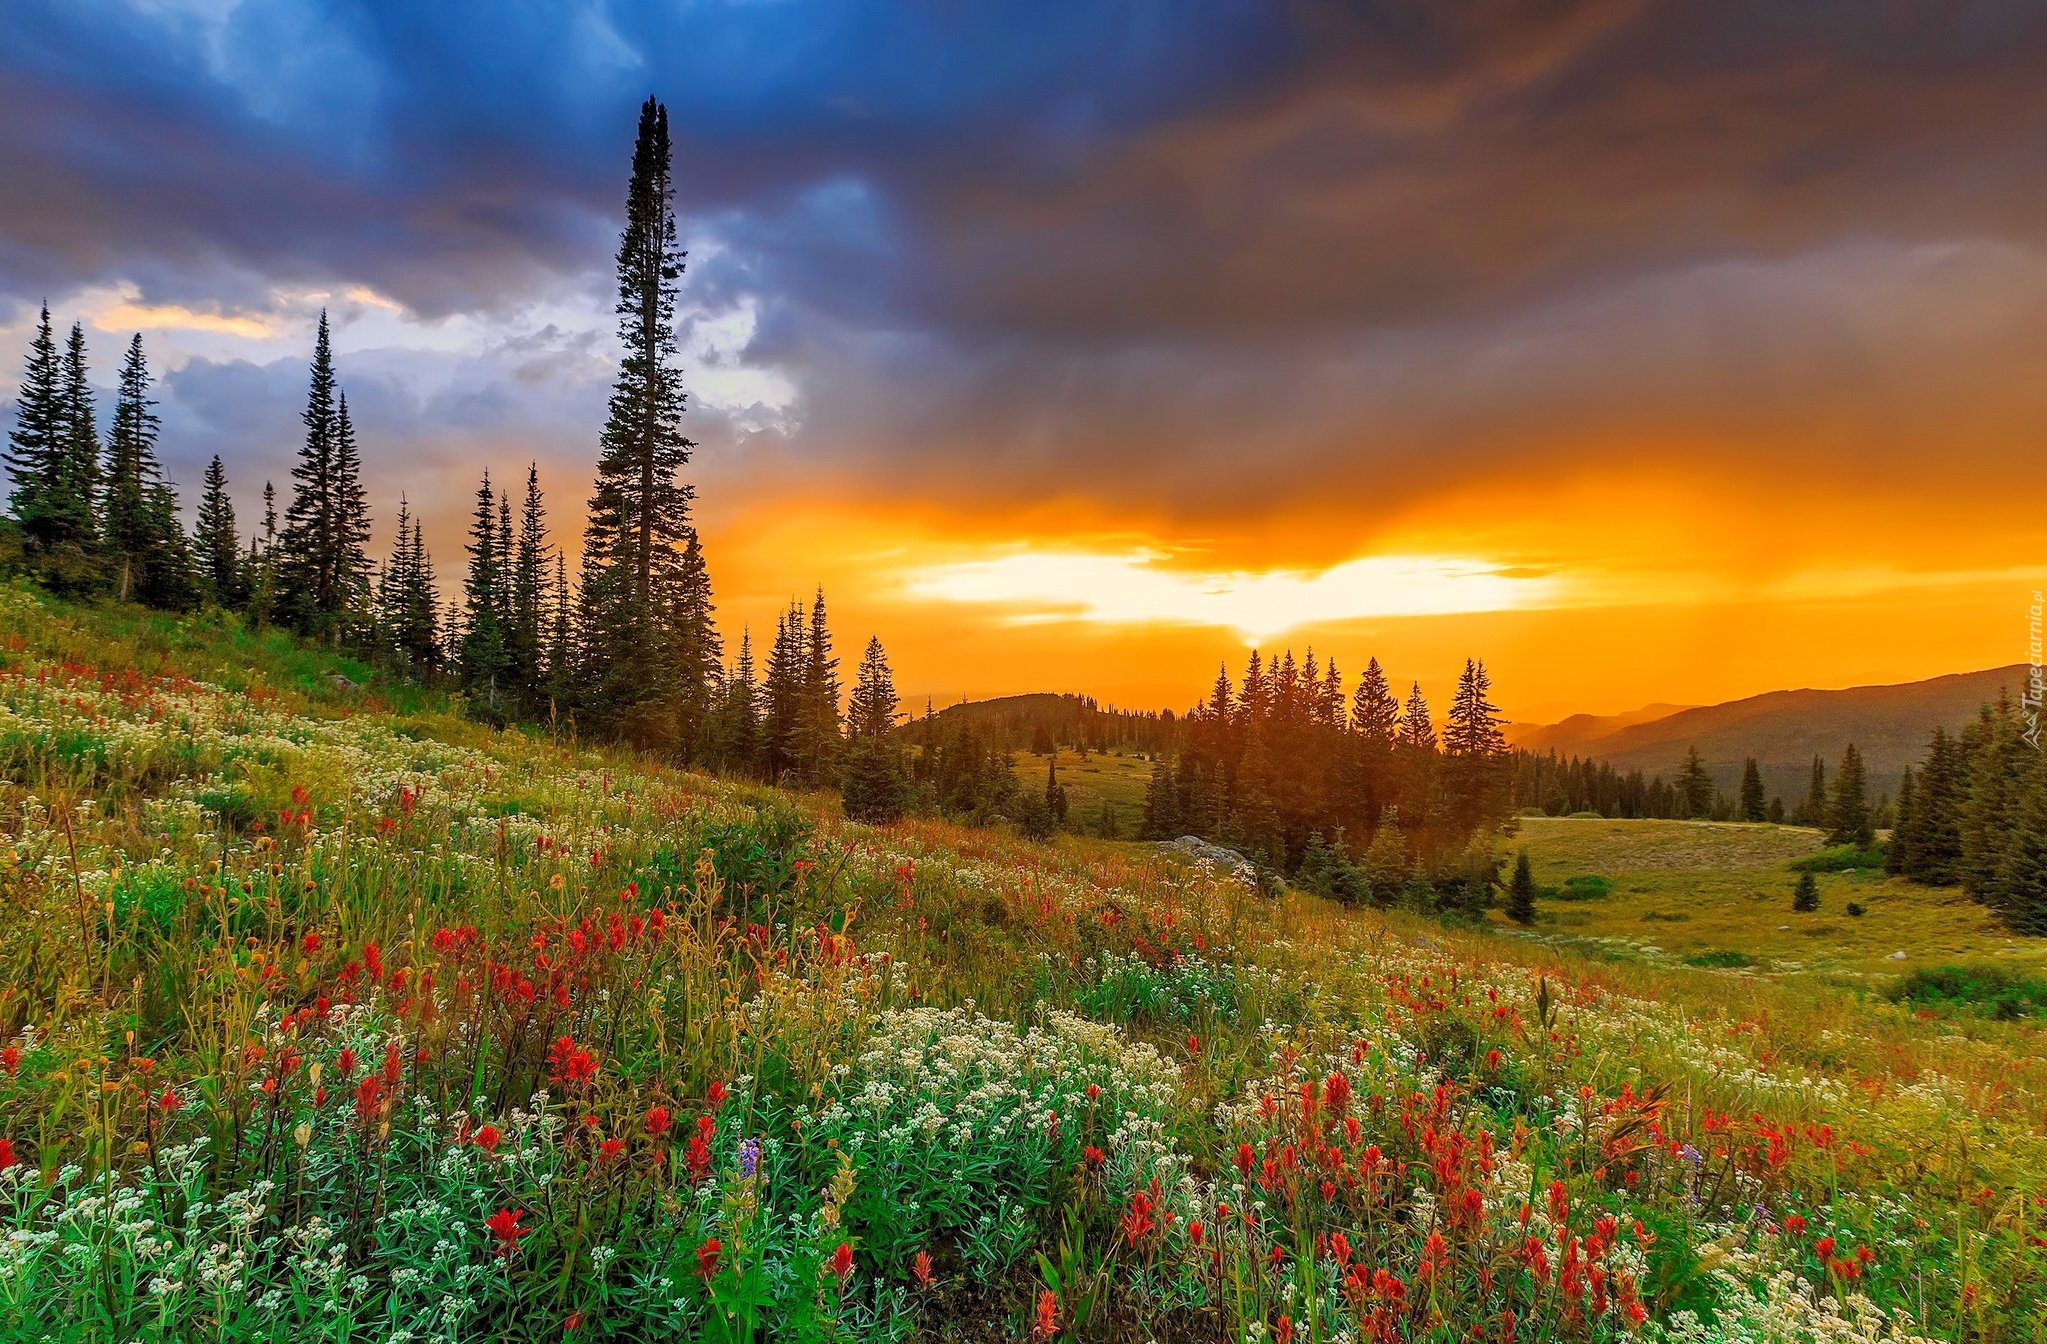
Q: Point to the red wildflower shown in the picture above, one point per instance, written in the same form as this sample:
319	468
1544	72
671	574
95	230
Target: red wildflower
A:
1092	1155
842	1260
169	1103
488	1138
1823	1248
1138	1222
707	1256
1283	1330
1048	1315
10	1060
920	1269
504	1228
715	1095
610	1149
7	1158
657	1121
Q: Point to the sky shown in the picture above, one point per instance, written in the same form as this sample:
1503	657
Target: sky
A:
1649	351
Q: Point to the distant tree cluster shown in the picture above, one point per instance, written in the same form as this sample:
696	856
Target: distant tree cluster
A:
1353	794
1975	813
1044	723
92	513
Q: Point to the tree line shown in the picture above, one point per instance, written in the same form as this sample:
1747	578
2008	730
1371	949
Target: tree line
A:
1974	814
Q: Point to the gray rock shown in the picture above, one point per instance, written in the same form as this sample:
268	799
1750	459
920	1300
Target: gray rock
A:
1228	862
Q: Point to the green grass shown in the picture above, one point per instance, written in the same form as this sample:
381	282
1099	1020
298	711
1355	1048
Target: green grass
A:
1680	890
1120	780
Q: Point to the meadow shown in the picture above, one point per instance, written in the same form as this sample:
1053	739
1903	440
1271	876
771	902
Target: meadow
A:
330	1015
1709	892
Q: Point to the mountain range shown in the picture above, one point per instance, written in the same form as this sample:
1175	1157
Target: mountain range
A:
1783	730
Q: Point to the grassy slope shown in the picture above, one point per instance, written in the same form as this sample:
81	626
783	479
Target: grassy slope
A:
1118	779
1683	888
1948	1113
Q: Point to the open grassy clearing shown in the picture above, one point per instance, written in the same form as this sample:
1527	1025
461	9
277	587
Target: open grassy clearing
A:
1683	889
1100	776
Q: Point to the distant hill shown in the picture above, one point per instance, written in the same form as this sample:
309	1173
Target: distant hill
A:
1784	730
1569	736
1015	722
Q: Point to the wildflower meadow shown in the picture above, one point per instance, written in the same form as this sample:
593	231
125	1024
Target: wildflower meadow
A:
329	1017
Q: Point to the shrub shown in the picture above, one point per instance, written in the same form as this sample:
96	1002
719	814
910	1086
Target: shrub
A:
1838	858
1584	887
1721	959
1994	991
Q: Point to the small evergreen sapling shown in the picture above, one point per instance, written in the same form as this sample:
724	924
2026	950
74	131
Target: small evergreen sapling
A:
1521	891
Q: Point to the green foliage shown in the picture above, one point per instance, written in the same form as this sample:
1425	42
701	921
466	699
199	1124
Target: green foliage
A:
1721	959
1805	898
1584	887
1521	891
1840	858
1992	990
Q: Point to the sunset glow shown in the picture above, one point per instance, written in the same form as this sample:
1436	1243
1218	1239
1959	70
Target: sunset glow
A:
1033	586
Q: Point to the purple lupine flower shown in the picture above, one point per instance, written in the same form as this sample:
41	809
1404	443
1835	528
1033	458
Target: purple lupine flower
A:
749	1158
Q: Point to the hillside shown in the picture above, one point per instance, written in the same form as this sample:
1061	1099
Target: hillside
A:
328	1014
1017	722
1784	730
1569	737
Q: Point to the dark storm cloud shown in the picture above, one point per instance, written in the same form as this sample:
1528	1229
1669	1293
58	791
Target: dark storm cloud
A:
1020	246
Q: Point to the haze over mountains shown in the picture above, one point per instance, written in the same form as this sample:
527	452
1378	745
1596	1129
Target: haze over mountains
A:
1783	730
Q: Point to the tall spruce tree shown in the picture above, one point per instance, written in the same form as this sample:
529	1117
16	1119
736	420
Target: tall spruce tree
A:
36	444
640	511
1996	779
1415	763
1695	786
561	640
1932	837
737	741
1813	811
873	784
2022	868
818	739
75	493
1894	853
1848	811
144	540
222	576
1754	806
699	653
1474	749
525	628
320	567
482	660
1161	803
